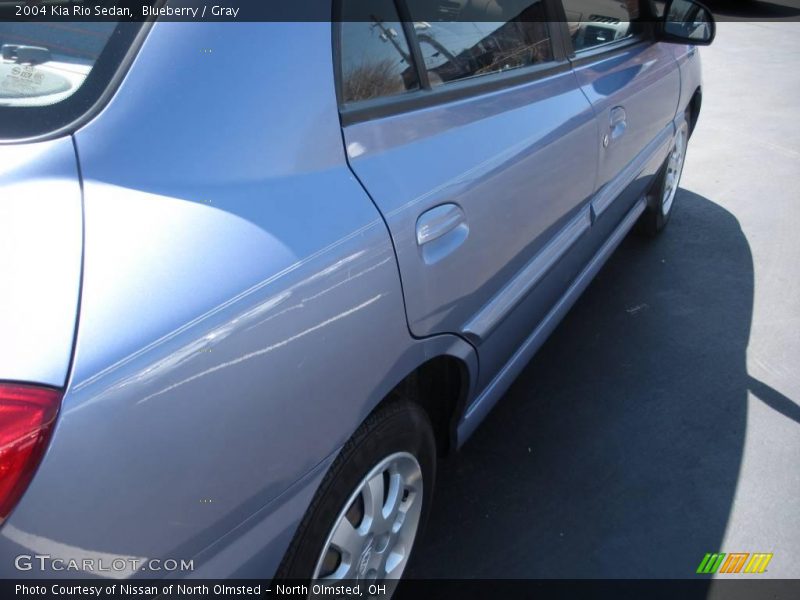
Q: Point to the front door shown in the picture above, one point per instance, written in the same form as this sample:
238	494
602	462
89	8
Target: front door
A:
634	87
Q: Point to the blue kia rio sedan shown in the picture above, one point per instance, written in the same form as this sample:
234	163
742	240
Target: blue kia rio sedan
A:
258	276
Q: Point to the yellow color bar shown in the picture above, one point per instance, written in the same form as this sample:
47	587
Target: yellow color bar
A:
758	563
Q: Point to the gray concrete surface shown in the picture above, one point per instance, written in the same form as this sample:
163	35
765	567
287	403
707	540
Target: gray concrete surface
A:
661	420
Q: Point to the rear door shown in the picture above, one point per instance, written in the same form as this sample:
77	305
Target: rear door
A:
479	149
633	85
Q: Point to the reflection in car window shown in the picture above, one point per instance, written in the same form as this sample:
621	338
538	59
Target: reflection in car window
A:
505	35
658	7
596	22
375	56
45	63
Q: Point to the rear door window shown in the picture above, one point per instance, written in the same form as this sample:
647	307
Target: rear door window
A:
502	36
375	56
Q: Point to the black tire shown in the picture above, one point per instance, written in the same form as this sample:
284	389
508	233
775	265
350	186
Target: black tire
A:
399	426
655	217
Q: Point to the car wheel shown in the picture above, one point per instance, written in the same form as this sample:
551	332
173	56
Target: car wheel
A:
369	509
662	196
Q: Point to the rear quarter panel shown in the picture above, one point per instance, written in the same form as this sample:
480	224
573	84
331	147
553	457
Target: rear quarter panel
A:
41	241
241	311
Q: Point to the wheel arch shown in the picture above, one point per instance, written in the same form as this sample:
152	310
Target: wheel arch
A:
441	382
693	108
440	386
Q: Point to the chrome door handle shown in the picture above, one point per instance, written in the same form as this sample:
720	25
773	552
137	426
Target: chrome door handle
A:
618	123
441	231
438	221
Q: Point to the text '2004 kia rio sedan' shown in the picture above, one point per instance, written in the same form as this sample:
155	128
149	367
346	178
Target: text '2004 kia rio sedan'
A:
258	276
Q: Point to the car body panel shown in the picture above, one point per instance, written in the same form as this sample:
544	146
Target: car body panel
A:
247	300
497	156
41	232
688	59
489	395
209	300
635	92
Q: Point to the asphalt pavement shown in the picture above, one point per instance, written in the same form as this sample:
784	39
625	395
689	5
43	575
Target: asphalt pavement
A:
661	421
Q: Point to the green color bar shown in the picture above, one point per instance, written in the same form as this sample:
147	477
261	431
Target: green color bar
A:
710	563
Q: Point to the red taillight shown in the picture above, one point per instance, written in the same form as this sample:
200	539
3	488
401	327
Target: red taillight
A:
27	414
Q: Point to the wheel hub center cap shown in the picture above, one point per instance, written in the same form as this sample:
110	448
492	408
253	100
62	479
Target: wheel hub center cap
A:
363	562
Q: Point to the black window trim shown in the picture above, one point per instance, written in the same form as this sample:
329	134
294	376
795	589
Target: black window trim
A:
607	50
413	44
366	110
427	96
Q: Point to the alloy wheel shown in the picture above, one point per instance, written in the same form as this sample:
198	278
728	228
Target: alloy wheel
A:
674	169
372	537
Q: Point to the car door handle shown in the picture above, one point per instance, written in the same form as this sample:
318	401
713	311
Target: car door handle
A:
618	123
437	222
440	231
